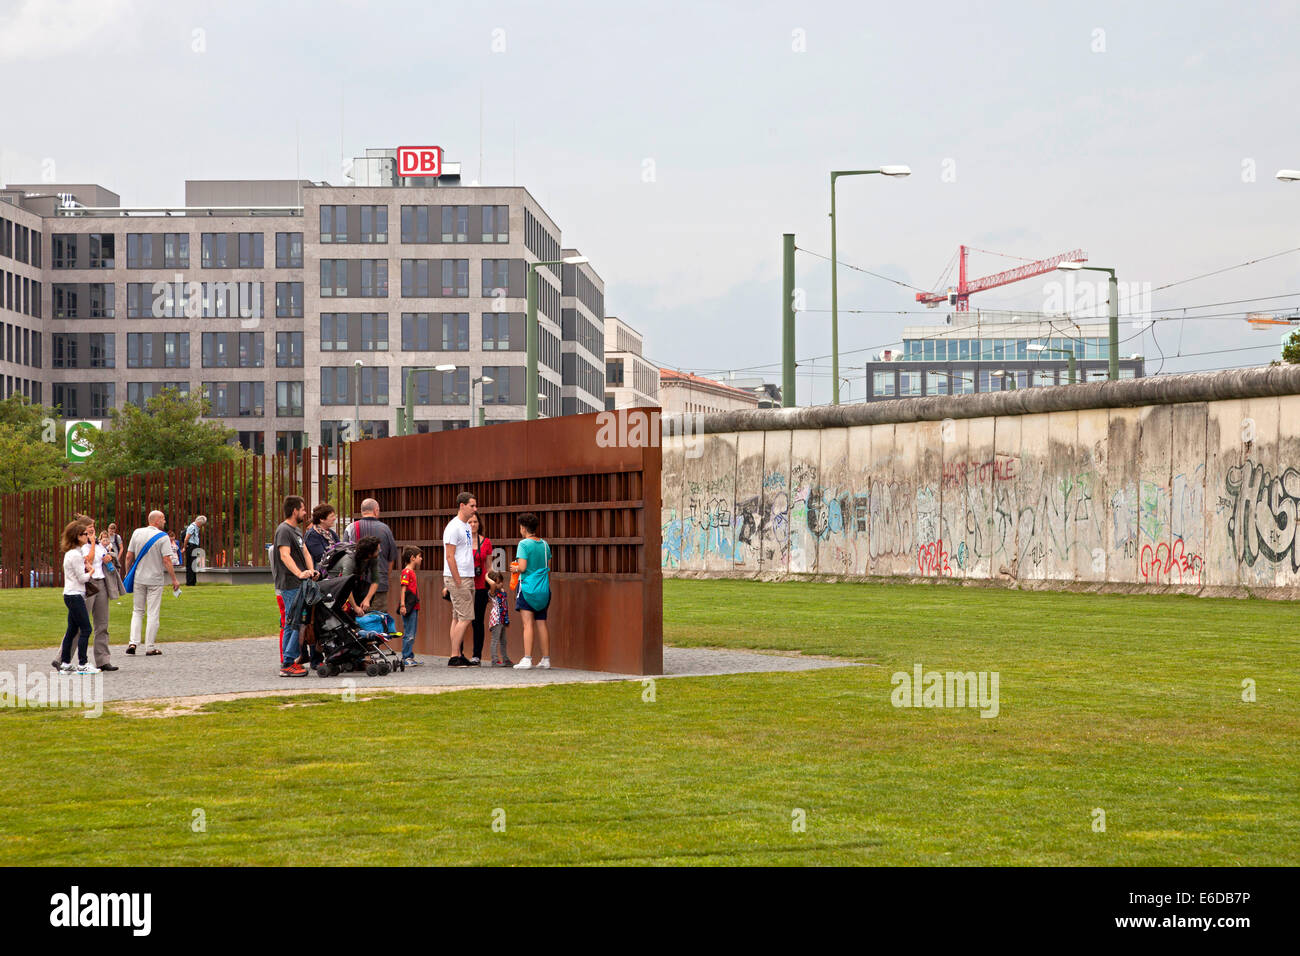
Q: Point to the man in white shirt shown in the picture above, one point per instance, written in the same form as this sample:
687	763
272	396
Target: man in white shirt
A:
147	588
98	602
458	574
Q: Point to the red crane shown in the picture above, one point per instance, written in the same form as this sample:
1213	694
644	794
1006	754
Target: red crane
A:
960	296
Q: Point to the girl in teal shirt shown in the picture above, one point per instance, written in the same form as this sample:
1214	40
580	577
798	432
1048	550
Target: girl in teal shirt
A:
533	562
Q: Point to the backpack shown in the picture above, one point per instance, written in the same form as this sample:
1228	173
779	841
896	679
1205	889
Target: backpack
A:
333	554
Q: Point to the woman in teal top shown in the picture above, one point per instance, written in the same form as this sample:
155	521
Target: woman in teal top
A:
533	562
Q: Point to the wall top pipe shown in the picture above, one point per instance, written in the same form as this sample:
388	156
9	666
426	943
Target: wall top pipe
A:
1261	382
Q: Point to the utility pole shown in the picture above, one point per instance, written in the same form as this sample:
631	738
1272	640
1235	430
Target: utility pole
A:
787	320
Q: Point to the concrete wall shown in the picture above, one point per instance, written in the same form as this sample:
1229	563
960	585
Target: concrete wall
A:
1193	496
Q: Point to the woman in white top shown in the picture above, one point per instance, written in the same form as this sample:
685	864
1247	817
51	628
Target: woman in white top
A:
76	572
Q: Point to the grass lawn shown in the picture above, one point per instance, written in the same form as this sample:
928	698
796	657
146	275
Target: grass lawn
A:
38	617
1128	704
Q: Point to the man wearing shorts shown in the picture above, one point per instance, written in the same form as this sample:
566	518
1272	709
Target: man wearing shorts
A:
458	574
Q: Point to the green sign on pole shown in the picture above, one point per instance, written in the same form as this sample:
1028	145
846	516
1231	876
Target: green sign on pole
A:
80	439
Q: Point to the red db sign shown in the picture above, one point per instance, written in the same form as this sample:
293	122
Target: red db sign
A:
419	160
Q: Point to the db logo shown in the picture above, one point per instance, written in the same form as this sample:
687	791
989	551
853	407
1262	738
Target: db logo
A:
419	160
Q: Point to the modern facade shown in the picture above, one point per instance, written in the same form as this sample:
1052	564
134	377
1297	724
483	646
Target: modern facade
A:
688	393
631	381
297	306
994	351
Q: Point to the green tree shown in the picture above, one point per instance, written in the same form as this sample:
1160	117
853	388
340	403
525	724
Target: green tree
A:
169	432
31	446
1291	349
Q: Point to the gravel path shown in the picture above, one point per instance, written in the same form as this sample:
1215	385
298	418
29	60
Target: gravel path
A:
194	668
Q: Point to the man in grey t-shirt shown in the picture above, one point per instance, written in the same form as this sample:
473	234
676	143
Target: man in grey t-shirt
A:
368	524
291	564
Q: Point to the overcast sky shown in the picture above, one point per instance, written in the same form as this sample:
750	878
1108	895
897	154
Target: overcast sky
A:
675	142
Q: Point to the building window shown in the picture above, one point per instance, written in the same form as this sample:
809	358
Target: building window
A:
176	350
909	383
251	350
176	250
216	350
337	384
63	250
455	278
288	250
215	254
431	387
65	301
139	250
455	223
250	399
334	332
374	277
496	277
614	372
496	223
64	351
936	383
288	399
415	223
415	278
286	442
333	277
374	224
288	299
251	250
101	398
499	391
288	350
333	223
102	247
254	442
882	384
496	332
101	296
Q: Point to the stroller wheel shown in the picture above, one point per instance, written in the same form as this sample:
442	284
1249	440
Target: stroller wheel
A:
347	665
372	670
323	670
385	669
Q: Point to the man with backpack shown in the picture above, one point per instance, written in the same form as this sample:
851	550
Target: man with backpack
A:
369	524
291	565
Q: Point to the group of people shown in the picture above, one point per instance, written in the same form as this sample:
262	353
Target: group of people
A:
477	591
95	571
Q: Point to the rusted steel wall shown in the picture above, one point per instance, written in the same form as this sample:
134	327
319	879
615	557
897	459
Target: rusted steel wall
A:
599	507
242	501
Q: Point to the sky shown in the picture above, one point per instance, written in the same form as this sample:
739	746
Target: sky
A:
674	144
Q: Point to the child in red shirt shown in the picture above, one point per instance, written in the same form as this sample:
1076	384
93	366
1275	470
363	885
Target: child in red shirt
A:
409	608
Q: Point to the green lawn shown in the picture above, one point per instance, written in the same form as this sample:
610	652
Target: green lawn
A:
1128	704
38	617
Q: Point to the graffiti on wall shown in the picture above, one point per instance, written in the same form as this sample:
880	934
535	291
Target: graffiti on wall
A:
1263	510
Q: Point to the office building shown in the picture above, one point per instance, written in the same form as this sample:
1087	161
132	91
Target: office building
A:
631	381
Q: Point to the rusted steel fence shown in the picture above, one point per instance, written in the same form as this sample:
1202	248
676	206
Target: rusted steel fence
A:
242	500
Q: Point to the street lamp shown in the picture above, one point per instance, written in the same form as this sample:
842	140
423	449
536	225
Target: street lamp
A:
1112	296
356	394
481	380
406	420
532	333
835	302
1035	347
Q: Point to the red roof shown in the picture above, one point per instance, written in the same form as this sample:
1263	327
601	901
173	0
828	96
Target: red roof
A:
670	375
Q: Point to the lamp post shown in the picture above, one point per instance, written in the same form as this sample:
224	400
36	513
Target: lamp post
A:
1035	347
406	420
530	387
835	302
481	380
1112	297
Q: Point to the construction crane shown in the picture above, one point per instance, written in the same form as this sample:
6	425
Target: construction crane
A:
960	295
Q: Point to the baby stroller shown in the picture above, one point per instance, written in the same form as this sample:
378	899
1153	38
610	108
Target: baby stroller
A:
345	646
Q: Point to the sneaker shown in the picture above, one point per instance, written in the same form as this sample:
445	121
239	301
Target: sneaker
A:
475	662
293	670
87	669
110	667
411	662
525	664
67	668
56	663
544	663
507	662
130	648
458	661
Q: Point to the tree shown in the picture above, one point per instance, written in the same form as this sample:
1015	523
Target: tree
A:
1291	349
169	432
31	449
